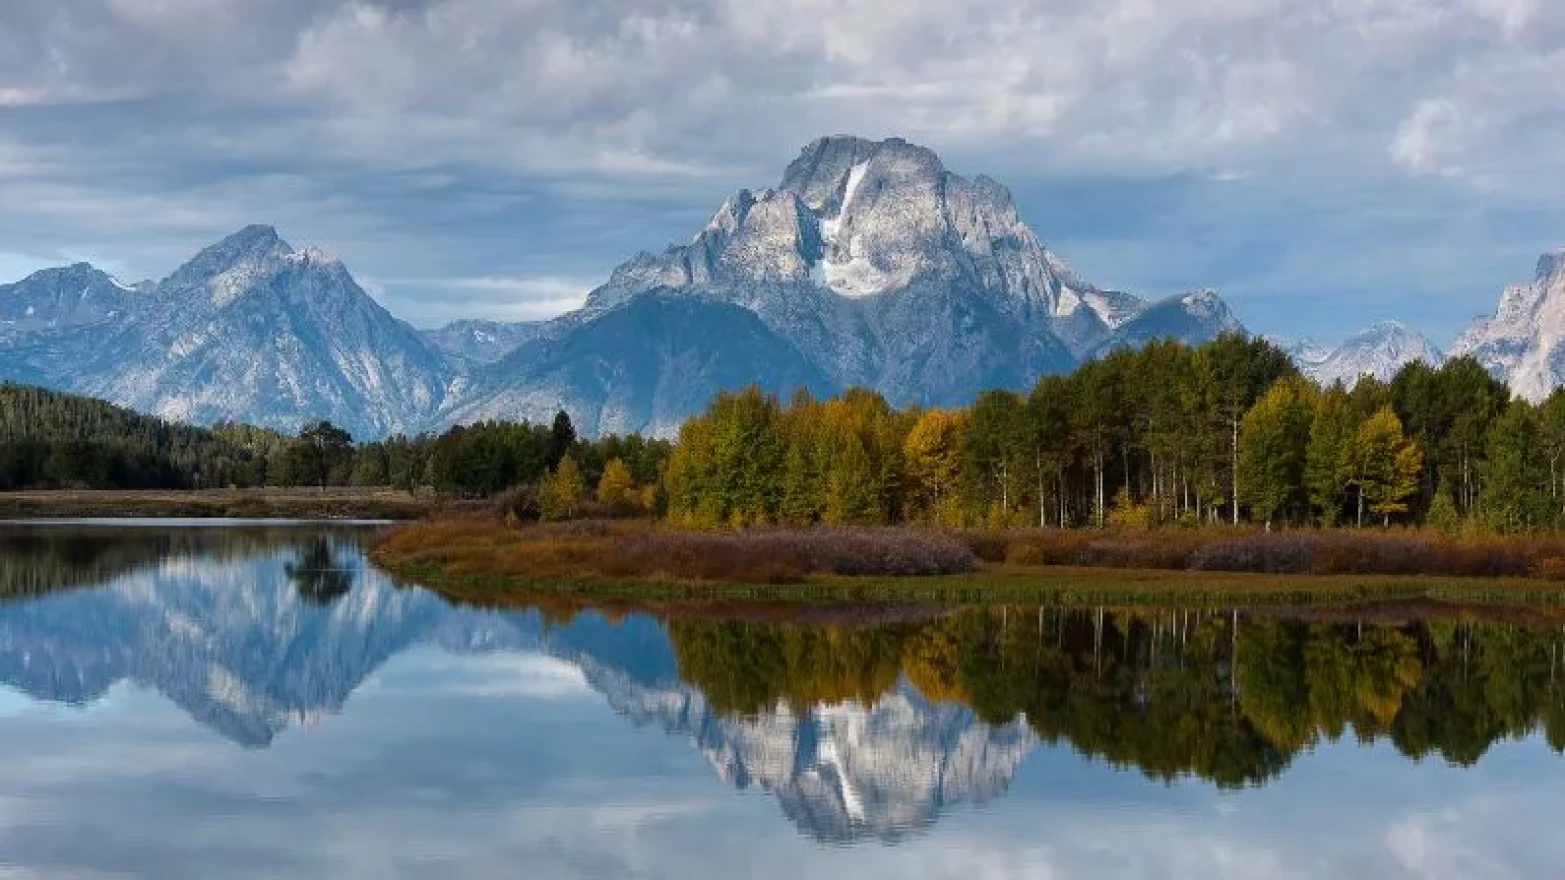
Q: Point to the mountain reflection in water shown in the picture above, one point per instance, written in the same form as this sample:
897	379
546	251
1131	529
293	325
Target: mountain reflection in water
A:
859	730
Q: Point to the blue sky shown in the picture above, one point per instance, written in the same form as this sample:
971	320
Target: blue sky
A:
1324	165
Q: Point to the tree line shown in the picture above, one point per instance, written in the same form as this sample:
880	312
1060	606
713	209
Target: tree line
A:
1225	432
53	440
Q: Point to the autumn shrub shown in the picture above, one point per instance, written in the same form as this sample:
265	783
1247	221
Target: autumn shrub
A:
519	503
619	549
793	553
1334	552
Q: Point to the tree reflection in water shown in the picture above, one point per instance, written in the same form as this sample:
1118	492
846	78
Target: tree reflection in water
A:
1224	696
319	576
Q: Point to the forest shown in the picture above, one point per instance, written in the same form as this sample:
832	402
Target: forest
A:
1224	433
1227	432
53	440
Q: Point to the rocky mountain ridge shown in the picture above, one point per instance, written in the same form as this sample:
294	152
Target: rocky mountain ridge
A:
868	264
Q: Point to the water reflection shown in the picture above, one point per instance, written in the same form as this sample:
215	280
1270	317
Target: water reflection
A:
858	731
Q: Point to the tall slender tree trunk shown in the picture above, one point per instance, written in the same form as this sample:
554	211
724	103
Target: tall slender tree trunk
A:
1043	498
1102	498
1236	468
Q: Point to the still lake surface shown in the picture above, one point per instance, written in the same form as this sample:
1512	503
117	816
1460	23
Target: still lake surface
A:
258	701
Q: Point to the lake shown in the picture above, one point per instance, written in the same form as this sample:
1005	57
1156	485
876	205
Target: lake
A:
256	700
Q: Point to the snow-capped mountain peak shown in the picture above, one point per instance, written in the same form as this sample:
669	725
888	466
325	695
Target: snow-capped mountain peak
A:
1380	351
868	264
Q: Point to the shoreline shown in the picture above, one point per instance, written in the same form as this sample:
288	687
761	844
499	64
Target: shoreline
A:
1049	586
491	564
335	503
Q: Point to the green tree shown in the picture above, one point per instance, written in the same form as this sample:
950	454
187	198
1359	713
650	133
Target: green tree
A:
1273	448
562	438
1385	466
1328	466
1515	492
321	449
994	450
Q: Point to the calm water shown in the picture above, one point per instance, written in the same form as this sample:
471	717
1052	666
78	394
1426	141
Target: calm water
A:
260	702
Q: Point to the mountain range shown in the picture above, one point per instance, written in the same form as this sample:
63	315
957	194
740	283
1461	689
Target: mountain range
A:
868	264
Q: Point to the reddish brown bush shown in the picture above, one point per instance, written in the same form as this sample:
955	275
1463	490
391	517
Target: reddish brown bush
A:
600	548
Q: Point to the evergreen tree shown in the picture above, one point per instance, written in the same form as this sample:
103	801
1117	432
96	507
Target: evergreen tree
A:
562	438
1515	487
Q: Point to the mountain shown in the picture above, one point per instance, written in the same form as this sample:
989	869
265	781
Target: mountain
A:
1193	318
471	342
869	264
1381	351
48	320
873	263
250	330
1523	343
643	366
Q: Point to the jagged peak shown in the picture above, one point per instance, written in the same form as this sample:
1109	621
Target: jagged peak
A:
1552	264
255	237
253	245
1205	301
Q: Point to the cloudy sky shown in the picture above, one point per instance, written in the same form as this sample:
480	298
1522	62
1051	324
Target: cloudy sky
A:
1323	164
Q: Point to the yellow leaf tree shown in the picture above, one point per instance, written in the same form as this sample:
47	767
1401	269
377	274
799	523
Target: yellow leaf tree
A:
617	488
933	456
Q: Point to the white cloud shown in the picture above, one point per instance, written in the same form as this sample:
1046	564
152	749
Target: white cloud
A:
340	118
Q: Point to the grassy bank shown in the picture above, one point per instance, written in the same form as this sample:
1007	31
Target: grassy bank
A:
486	561
333	503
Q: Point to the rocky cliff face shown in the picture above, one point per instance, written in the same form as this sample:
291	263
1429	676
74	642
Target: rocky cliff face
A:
1521	344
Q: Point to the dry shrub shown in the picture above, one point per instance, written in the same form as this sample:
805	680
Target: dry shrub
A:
618	549
630	549
1301	552
774	555
1550	569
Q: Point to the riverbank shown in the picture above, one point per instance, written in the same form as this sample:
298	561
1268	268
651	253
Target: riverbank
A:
488	562
293	503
